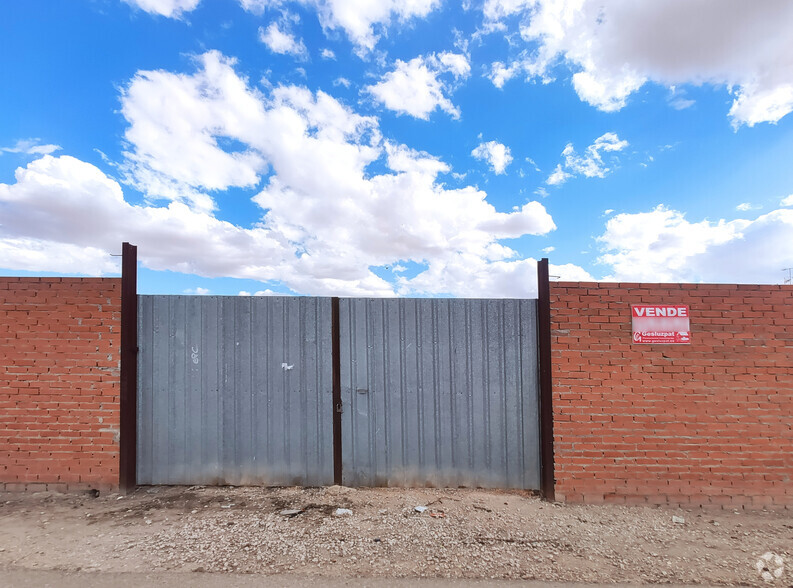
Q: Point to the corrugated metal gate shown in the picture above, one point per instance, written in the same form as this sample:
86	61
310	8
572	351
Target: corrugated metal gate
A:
239	390
234	390
440	392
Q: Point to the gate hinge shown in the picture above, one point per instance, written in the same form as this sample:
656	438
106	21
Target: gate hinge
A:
339	407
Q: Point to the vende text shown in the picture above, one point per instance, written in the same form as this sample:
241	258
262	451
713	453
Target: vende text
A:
656	311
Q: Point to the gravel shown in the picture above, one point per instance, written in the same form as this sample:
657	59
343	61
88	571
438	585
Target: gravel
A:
462	533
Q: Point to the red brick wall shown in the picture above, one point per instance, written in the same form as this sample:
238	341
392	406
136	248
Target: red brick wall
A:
59	382
710	423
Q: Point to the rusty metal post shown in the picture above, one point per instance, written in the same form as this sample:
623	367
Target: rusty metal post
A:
129	368
337	406
546	381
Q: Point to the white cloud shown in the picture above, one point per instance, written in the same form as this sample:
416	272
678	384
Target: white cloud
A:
320	233
662	246
361	20
341	82
608	93
677	99
401	158
282	41
754	104
34	254
495	154
787	201
63	202
416	87
744	206
591	164
548	249
31	147
456	63
569	272
328	54
500	74
197	291
558	176
259	6
176	125
470	276
168	8
495	10
681	103
533	164
266	292
615	46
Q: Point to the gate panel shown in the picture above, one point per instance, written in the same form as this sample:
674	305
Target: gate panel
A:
439	392
234	390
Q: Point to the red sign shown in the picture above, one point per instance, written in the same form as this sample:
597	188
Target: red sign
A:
661	323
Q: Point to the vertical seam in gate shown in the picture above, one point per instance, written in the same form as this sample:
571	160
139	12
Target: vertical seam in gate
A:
128	393
546	382
335	333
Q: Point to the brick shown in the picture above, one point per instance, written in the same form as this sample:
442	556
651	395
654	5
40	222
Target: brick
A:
59	337
701	424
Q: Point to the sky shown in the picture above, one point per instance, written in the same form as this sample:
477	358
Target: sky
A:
397	148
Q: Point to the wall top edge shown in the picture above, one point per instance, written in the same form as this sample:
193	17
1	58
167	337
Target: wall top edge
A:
672	286
28	279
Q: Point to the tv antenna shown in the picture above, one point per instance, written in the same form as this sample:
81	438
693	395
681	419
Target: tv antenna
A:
789	279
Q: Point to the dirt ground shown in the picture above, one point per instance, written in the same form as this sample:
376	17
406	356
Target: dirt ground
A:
461	534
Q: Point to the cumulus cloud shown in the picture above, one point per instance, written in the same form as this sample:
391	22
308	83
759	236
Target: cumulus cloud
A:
754	104
456	63
416	87
168	8
319	233
495	154
176	126
31	147
62	201
35	254
361	20
616	46
282	41
590	164
787	201
663	246
471	277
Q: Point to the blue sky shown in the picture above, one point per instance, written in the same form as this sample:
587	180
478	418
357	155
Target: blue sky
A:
382	148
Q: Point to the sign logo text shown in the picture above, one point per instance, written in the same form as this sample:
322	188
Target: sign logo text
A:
661	323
